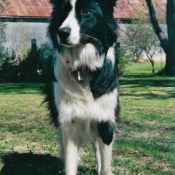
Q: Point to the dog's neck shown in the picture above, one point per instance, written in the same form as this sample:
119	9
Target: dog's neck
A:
81	58
81	74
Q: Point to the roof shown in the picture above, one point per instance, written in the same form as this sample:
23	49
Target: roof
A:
125	9
26	8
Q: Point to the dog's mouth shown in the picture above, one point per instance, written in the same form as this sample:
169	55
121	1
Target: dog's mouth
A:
88	38
84	39
91	39
67	43
65	39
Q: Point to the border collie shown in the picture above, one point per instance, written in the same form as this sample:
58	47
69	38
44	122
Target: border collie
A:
83	96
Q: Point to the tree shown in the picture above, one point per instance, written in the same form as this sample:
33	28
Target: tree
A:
167	43
139	38
150	50
132	41
121	60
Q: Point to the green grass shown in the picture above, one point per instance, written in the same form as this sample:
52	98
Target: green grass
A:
144	140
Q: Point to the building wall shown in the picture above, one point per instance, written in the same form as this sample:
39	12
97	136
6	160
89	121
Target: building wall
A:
20	34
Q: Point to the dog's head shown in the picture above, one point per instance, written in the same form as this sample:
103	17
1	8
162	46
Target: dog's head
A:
75	22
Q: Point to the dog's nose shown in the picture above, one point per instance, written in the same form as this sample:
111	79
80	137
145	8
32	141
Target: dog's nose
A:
64	33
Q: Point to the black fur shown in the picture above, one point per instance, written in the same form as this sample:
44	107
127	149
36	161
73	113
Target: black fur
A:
50	104
102	28
104	80
57	17
100	24
48	90
106	130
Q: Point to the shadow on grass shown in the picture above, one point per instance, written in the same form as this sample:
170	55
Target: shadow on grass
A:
20	88
31	164
36	164
150	95
141	82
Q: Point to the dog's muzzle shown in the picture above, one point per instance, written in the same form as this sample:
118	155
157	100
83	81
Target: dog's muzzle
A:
64	34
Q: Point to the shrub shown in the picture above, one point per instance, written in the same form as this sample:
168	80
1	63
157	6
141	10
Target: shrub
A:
121	60
29	69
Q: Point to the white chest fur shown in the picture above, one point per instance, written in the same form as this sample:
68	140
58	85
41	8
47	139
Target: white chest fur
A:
74	98
81	56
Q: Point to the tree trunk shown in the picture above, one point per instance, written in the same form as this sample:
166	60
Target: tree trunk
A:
168	44
150	58
153	67
170	65
170	56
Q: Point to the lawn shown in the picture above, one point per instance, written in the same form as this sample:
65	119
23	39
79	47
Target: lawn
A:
144	140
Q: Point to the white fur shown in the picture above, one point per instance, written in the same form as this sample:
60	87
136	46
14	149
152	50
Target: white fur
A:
82	105
111	54
74	99
80	56
73	136
79	112
72	23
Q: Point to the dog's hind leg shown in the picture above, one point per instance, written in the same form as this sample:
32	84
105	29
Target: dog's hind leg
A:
106	157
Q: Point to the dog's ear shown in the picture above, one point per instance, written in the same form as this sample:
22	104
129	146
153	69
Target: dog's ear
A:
54	2
107	5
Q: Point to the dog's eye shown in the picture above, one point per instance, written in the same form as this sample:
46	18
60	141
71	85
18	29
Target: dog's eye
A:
85	12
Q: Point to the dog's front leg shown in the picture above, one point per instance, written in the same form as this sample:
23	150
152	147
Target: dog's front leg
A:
97	155
70	152
106	156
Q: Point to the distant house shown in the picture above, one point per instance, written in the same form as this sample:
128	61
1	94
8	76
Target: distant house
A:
28	19
128	9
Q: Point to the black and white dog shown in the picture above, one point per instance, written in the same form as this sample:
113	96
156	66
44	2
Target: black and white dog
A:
83	97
